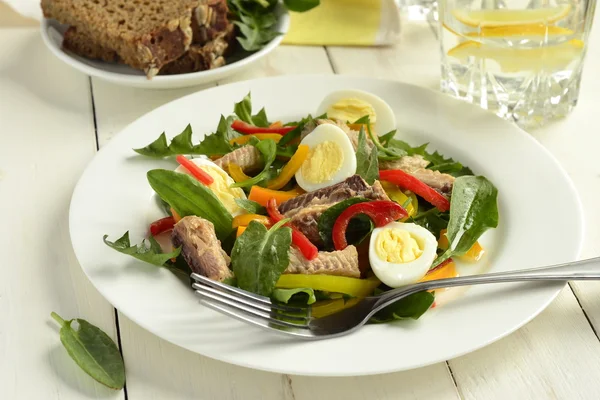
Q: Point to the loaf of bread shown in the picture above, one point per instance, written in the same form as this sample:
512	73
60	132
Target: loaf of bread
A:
145	34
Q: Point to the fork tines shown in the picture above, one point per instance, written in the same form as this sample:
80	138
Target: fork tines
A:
250	307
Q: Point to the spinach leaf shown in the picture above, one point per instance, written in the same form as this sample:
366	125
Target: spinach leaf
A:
93	350
432	219
260	256
473	210
358	228
301	5
410	307
187	196
152	254
366	163
251	206
261	119
268	149
296	295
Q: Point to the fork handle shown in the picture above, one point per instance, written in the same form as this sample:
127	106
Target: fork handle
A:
572	271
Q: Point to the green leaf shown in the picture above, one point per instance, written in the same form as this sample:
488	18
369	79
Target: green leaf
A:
259	257
243	109
432	219
446	165
358	228
300	295
410	307
93	350
151	254
367	165
224	128
182	143
473	210
187	196
218	142
268	149
301	5
384	139
261	119
364	120
157	149
251	206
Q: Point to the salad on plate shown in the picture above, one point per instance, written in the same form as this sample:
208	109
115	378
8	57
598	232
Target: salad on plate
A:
323	211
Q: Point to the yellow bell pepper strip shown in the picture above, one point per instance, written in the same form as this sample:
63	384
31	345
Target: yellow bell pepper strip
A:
474	254
327	307
245	219
240	230
242	140
329	283
397	195
290	169
262	195
236	173
176	216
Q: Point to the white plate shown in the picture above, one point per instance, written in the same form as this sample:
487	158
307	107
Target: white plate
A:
52	34
540	223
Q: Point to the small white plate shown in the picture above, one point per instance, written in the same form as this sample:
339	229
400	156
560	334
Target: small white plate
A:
540	224
52	34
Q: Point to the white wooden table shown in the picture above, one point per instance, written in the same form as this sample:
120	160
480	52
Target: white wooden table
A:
52	122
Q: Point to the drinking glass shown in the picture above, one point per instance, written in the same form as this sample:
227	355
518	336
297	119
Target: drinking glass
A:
521	59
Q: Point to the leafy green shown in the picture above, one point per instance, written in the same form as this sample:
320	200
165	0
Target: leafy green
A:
243	110
256	22
432	219
358	228
384	152
299	295
291	135
446	165
473	210
152	254
366	162
268	149
218	142
410	307
187	196
260	256
93	350
251	206
301	5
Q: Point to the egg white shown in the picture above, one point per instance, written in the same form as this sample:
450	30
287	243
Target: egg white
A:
386	119
332	133
399	274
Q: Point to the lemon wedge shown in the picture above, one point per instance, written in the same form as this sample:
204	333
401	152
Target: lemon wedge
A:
521	59
506	17
522	30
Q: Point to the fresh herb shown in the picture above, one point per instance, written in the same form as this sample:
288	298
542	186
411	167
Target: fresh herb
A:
432	219
446	165
384	153
410	307
268	149
358	228
473	210
260	256
151	253
301	5
384	139
251	206
243	110
296	295
300	125
187	196
366	162
93	350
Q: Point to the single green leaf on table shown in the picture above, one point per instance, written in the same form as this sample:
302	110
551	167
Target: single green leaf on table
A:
296	295
268	149
260	256
251	206
187	196
301	5
358	228
366	162
410	307
151	254
473	210
93	350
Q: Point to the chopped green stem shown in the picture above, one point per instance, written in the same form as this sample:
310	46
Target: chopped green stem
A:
57	318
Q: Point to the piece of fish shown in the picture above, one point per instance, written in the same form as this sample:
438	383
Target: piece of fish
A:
406	163
416	166
201	249
306	220
247	157
339	263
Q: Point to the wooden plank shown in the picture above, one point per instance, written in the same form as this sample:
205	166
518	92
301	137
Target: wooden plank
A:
47	139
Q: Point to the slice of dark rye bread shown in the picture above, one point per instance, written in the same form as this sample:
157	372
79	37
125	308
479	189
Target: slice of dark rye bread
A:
146	34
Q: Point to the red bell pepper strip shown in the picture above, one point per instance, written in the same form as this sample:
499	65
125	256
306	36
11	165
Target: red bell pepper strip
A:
382	212
409	182
247	129
308	250
162	225
195	170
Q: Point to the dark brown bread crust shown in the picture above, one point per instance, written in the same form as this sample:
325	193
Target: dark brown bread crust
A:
76	42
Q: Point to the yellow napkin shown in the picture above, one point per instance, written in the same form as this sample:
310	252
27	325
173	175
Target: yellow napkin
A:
346	23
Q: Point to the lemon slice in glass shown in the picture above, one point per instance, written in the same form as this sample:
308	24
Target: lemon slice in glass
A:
505	17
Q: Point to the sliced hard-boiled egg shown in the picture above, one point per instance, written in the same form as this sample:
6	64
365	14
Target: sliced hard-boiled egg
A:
221	184
350	105
331	158
401	253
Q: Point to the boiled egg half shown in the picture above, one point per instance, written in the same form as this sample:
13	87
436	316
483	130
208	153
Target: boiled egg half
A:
401	253
221	184
350	105
331	158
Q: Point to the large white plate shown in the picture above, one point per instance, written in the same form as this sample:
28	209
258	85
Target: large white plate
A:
541	223
52	35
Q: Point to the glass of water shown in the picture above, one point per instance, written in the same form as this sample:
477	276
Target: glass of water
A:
521	59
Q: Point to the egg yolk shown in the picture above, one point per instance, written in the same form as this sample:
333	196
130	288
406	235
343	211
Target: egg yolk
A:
323	161
398	246
220	187
351	109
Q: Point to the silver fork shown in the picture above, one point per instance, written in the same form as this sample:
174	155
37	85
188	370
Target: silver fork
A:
298	322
